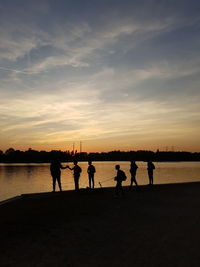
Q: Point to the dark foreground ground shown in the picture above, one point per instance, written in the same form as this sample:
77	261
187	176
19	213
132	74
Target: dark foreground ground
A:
158	226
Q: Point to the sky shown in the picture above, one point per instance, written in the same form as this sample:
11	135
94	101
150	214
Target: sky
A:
116	75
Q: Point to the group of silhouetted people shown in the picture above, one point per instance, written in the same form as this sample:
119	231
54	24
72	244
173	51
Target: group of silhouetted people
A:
121	176
56	166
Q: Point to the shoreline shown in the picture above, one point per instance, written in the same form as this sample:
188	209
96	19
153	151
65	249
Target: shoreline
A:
46	193
156	226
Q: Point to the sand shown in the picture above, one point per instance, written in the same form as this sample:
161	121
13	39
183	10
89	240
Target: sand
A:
157	226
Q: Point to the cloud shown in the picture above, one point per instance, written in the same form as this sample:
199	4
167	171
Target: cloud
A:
79	53
75	43
17	40
130	70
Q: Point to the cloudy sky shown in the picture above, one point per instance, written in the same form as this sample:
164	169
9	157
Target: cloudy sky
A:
113	74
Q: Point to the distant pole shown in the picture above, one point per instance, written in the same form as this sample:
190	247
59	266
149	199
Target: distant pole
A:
80	147
73	147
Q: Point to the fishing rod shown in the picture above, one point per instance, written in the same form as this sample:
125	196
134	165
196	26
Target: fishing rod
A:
104	181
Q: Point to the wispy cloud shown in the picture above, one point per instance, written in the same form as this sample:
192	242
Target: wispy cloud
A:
18	71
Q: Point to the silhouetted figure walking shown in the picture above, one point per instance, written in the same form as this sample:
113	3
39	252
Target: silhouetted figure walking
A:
91	171
150	168
121	176
77	172
133	170
55	169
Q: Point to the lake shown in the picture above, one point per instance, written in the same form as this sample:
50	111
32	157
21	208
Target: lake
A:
22	178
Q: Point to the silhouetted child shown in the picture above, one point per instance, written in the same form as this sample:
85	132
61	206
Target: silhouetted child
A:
150	168
133	170
77	172
91	171
55	169
121	176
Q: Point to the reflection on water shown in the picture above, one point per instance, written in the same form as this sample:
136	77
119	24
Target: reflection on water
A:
17	179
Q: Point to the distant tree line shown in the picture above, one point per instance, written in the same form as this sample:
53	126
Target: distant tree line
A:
33	156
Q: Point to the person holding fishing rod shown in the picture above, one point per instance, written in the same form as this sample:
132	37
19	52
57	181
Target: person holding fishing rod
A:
121	176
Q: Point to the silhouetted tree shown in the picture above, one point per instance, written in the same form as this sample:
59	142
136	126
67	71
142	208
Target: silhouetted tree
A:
31	155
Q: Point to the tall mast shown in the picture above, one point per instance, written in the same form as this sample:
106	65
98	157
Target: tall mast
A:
80	147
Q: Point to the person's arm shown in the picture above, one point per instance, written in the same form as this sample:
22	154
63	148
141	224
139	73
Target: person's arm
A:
62	167
70	168
66	167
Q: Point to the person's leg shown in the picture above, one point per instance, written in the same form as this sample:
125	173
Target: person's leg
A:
59	182
54	182
89	177
152	178
134	180
137	186
117	189
121	189
149	175
76	181
131	182
92	179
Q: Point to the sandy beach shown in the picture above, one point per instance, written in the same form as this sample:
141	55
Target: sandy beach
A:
157	226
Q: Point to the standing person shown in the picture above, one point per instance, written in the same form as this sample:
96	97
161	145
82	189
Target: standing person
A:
77	171
121	176
55	169
91	171
133	170
150	168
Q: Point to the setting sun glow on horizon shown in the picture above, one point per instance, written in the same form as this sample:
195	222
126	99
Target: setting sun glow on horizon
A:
123	76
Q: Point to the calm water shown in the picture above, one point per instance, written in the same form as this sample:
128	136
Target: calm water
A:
17	179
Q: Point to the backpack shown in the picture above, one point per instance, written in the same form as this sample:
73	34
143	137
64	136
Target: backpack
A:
123	175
